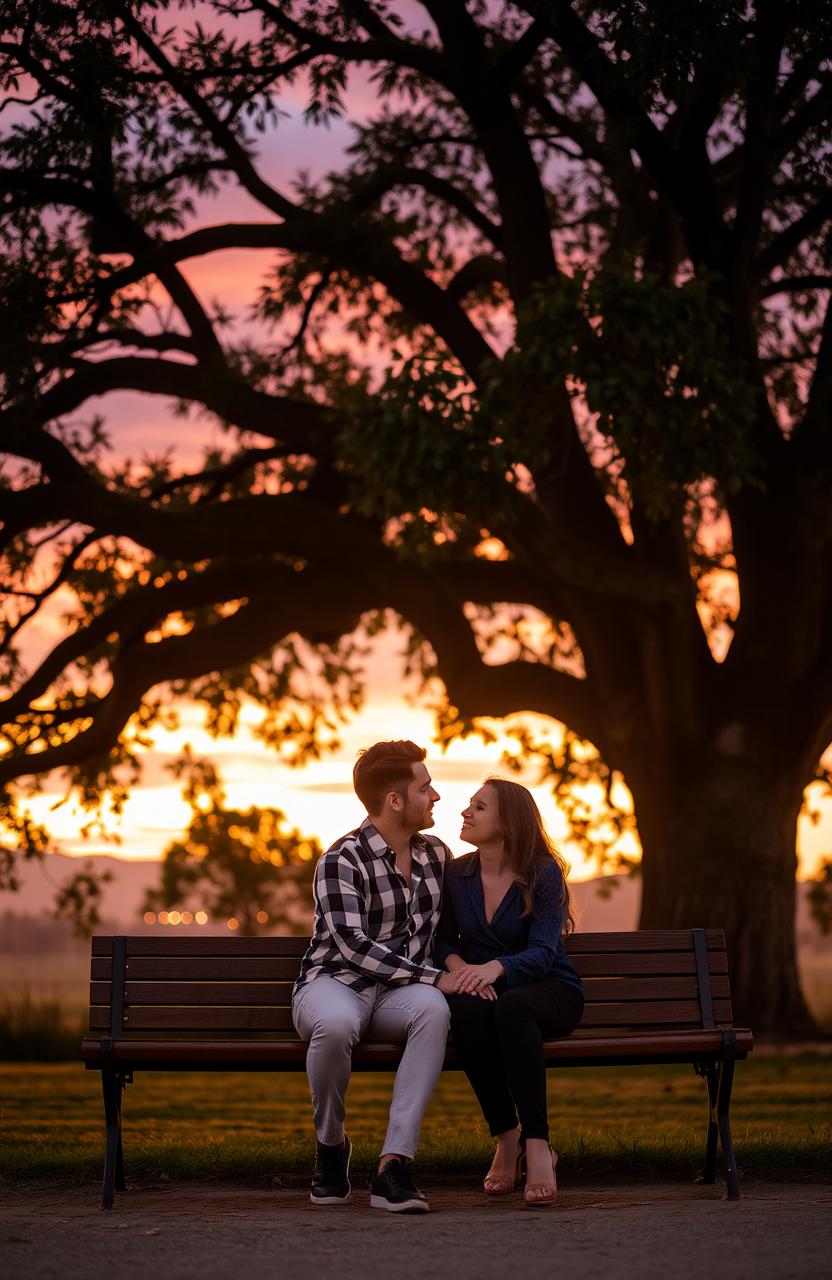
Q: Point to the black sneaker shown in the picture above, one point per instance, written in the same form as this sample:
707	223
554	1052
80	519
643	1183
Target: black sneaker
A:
394	1189
330	1179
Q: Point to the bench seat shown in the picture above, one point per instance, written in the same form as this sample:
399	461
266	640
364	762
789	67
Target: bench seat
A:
237	1055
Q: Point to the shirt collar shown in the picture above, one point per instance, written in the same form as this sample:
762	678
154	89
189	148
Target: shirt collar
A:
376	843
472	867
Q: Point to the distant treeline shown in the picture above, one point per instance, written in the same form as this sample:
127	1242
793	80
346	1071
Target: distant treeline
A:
26	933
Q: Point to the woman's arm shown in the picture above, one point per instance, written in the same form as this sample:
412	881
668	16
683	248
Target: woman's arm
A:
535	960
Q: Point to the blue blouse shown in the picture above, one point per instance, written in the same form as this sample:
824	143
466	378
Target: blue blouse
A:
528	947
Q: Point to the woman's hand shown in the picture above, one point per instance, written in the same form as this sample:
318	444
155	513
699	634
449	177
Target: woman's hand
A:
471	978
448	984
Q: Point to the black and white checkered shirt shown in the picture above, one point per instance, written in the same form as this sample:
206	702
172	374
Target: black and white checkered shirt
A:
369	927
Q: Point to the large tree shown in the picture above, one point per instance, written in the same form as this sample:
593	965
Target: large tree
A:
545	365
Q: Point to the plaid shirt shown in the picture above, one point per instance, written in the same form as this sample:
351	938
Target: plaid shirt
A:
369	927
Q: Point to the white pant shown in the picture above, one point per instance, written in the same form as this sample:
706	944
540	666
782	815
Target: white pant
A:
333	1017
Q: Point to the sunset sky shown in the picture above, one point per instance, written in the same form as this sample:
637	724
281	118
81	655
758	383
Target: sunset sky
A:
319	799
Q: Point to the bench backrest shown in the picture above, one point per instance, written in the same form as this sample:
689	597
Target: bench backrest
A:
161	985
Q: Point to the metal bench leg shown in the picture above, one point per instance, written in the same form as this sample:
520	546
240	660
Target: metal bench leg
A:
111	1086
726	1081
121	1185
711	1074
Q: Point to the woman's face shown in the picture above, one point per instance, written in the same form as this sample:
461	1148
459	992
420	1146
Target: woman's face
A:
480	821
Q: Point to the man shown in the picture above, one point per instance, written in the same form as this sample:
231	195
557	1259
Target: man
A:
368	971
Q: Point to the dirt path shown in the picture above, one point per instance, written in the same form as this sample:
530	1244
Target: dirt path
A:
643	1232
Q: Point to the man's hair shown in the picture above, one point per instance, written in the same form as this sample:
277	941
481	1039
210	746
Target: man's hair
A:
382	768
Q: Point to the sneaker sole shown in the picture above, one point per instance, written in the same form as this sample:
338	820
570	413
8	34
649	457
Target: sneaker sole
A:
406	1206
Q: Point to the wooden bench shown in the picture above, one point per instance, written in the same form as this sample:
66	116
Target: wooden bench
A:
164	1003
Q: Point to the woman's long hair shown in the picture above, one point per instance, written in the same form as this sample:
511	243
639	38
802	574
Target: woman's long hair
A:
528	844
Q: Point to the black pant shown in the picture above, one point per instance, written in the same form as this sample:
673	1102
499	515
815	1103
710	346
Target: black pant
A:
499	1044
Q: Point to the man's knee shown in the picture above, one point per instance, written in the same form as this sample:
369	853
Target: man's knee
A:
432	1009
334	1031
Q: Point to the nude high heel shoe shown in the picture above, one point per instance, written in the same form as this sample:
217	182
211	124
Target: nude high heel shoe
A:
498	1184
538	1195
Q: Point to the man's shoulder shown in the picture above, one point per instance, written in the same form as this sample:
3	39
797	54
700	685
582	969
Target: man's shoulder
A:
437	846
347	846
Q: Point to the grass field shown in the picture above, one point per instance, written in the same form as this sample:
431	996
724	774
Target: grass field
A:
647	1120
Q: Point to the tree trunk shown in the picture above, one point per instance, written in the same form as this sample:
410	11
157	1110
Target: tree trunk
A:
719	852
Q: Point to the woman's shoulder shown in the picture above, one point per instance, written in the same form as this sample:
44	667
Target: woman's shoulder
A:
463	865
547	873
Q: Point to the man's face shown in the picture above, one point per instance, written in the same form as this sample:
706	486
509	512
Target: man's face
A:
419	800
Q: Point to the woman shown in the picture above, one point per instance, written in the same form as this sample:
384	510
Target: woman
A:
506	908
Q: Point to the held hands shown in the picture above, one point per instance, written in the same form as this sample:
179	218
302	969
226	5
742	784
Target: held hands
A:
472	977
449	984
478	979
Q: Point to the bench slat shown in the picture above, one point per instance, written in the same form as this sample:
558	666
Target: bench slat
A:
248	968
163	944
280	993
202	968
197	993
664	1013
645	964
641	940
639	1046
652	1013
285	968
662	988
206	1018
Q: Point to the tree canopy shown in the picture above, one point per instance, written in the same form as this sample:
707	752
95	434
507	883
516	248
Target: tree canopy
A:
542	369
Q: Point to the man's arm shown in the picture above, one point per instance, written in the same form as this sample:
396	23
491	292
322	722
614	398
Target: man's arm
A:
339	890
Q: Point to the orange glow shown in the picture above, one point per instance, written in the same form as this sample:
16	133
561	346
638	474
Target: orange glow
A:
201	917
150	917
233	923
262	917
490	548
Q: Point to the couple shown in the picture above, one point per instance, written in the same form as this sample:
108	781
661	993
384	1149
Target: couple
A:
385	922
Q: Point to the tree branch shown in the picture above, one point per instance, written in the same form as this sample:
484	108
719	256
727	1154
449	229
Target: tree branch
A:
476	272
685	177
305	426
375	185
782	245
313	603
795	284
360	248
137	612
